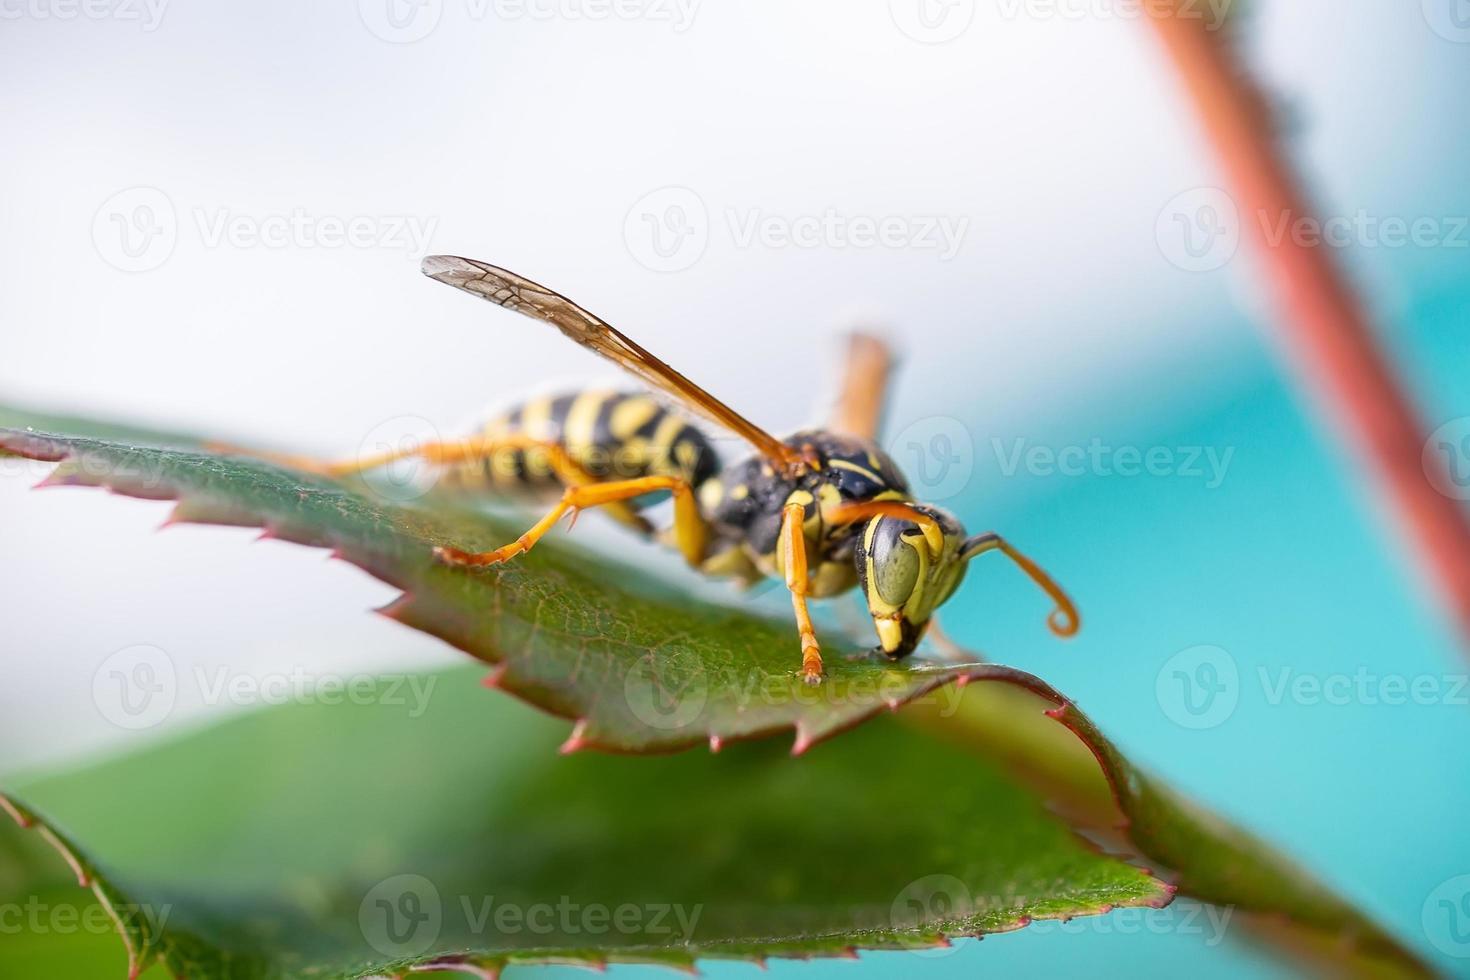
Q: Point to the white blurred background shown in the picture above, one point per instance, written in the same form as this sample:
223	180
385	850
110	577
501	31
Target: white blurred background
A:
148	152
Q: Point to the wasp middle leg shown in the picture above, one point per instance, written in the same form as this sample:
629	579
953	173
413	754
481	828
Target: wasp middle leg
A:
691	532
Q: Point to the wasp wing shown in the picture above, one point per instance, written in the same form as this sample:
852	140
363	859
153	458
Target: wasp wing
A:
505	288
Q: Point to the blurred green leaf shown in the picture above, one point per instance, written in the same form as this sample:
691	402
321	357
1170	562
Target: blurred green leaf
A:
1128	811
358	839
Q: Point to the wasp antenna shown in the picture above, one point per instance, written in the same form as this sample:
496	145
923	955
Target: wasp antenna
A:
1064	619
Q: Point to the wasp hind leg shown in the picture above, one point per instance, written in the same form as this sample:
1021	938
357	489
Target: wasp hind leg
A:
691	533
858	410
456	452
793	559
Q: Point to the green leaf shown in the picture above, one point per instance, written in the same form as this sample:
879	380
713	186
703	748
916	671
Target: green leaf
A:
636	664
261	848
671	667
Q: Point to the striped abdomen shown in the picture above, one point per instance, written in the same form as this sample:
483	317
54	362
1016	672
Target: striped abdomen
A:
608	435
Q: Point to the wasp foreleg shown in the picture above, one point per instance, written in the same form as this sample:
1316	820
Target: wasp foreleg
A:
793	560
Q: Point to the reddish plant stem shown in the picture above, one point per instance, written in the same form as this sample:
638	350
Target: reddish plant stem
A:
1321	322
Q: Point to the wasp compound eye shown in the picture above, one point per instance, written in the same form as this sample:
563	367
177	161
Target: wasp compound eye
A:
890	553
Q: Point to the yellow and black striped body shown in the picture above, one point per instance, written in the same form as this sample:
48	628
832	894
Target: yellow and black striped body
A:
745	508
609	435
613	435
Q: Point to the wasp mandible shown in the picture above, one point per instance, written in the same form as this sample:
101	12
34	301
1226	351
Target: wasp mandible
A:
823	509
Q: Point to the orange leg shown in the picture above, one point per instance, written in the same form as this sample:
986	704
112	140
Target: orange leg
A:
863	510
450	453
690	531
445	453
793	559
466	451
859	407
567	469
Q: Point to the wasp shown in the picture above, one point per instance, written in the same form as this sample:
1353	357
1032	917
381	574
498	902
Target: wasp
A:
823	510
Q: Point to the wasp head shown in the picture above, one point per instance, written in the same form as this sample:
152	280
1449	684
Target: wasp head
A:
908	565
906	570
